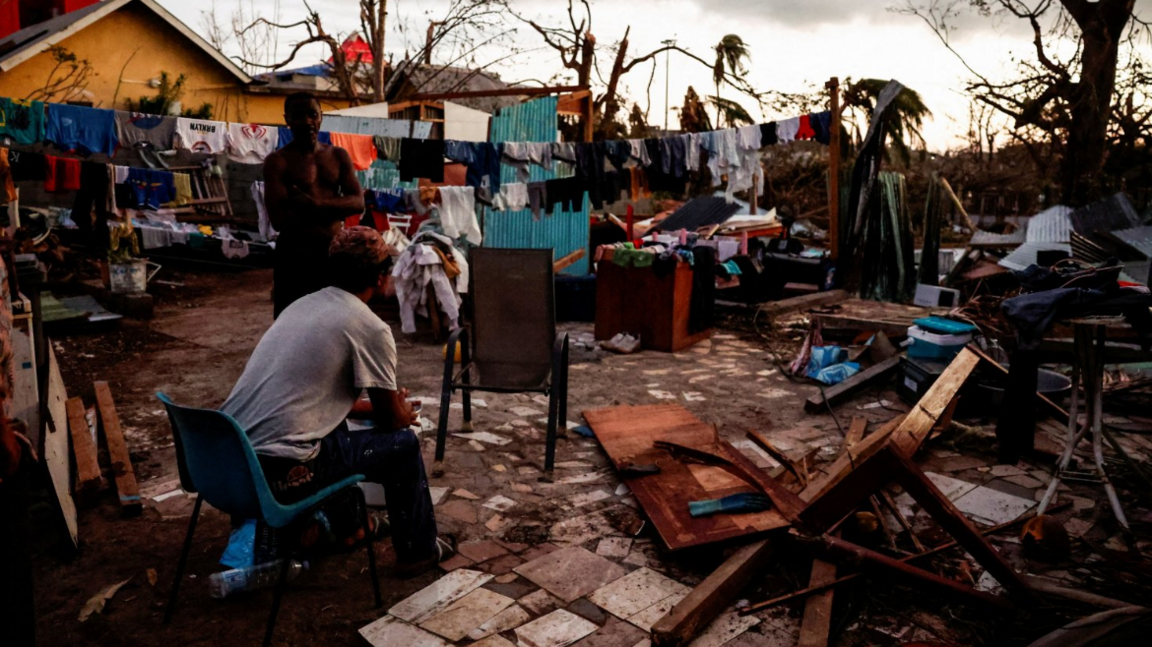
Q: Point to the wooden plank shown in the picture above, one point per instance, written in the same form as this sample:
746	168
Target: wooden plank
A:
779	456
803	302
861	314
565	261
692	614
855	431
838	392
83	447
627	434
118	451
817	621
847	461
56	457
908	437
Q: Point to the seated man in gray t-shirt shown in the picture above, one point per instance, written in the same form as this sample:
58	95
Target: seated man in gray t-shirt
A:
305	379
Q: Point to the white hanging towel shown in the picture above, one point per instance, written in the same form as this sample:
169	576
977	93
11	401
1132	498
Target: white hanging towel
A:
458	213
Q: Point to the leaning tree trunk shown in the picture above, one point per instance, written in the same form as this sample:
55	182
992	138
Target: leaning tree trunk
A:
1102	26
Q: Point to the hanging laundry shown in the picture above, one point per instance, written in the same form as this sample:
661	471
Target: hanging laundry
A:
567	192
9	190
515	154
458	213
284	136
90	206
564	151
201	136
263	223
618	153
458	151
768	134
747	168
422	158
387	200
63	174
234	249
540	154
388	148
786	130
251	143
81	129
512	197
639	151
154	132
420	266
183	183
537	198
28	166
22	121
692	152
804	131
483	160
151	188
821	123
638	188
360	148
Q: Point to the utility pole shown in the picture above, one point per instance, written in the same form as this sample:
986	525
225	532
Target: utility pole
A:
667	67
432	25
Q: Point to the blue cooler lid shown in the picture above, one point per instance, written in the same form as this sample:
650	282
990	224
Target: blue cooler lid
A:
942	326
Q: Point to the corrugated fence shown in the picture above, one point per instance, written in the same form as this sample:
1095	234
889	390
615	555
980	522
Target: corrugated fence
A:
562	231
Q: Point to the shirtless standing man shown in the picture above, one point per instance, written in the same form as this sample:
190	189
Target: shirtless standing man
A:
309	189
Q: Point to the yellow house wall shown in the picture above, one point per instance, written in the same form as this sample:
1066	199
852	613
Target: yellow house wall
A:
126	50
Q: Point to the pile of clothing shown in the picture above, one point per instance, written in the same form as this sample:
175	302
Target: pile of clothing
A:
430	260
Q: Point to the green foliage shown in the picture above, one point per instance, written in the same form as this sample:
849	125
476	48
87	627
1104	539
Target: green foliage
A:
168	93
693	117
904	128
730	113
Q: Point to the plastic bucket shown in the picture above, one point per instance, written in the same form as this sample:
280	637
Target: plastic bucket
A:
128	278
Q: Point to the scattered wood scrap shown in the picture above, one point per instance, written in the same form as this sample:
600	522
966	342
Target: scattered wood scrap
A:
802	302
893	319
567	260
83	447
126	486
55	439
839	392
817	622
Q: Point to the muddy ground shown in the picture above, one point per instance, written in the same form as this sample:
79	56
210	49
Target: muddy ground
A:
197	345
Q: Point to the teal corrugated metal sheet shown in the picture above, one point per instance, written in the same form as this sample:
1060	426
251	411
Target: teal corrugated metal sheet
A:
563	231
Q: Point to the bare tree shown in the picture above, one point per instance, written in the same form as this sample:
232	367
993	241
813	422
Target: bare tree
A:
67	79
254	46
577	48
1070	100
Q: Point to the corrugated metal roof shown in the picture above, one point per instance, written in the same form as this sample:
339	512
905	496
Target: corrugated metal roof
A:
1025	255
1109	214
1138	238
562	231
697	213
988	239
1052	225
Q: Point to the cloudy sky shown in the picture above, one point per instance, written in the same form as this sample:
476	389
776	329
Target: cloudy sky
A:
795	44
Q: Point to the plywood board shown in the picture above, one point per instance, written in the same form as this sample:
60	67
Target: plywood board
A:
627	434
56	455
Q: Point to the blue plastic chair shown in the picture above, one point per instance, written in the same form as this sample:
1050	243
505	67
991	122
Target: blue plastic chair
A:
216	461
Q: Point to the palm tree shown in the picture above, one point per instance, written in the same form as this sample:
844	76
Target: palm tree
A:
730	113
904	126
731	53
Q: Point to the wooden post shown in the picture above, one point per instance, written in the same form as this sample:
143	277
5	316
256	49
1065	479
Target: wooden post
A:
631	218
752	200
833	86
587	118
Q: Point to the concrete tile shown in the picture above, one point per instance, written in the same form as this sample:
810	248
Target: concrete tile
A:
390	631
614	547
485	437
502	565
570	573
587	498
728	626
492	641
482	550
539	550
438	494
991	506
512	588
635	592
499	503
466	614
650	616
1006	470
429	600
541	602
506	620
557	629
454	562
465	494
587	610
578	530
524	412
459	510
614	633
496	522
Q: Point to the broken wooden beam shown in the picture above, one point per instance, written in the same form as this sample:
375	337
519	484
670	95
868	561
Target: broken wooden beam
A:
817	621
856	430
126	485
567	260
933	406
803	302
847	461
692	614
835	549
83	447
838	392
779	456
951	543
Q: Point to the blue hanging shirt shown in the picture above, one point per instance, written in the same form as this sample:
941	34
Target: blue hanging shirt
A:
82	129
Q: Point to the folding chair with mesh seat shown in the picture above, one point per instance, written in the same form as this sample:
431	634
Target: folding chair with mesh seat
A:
515	348
216	462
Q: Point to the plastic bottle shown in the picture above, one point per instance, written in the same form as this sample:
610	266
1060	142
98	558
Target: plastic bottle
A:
250	578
